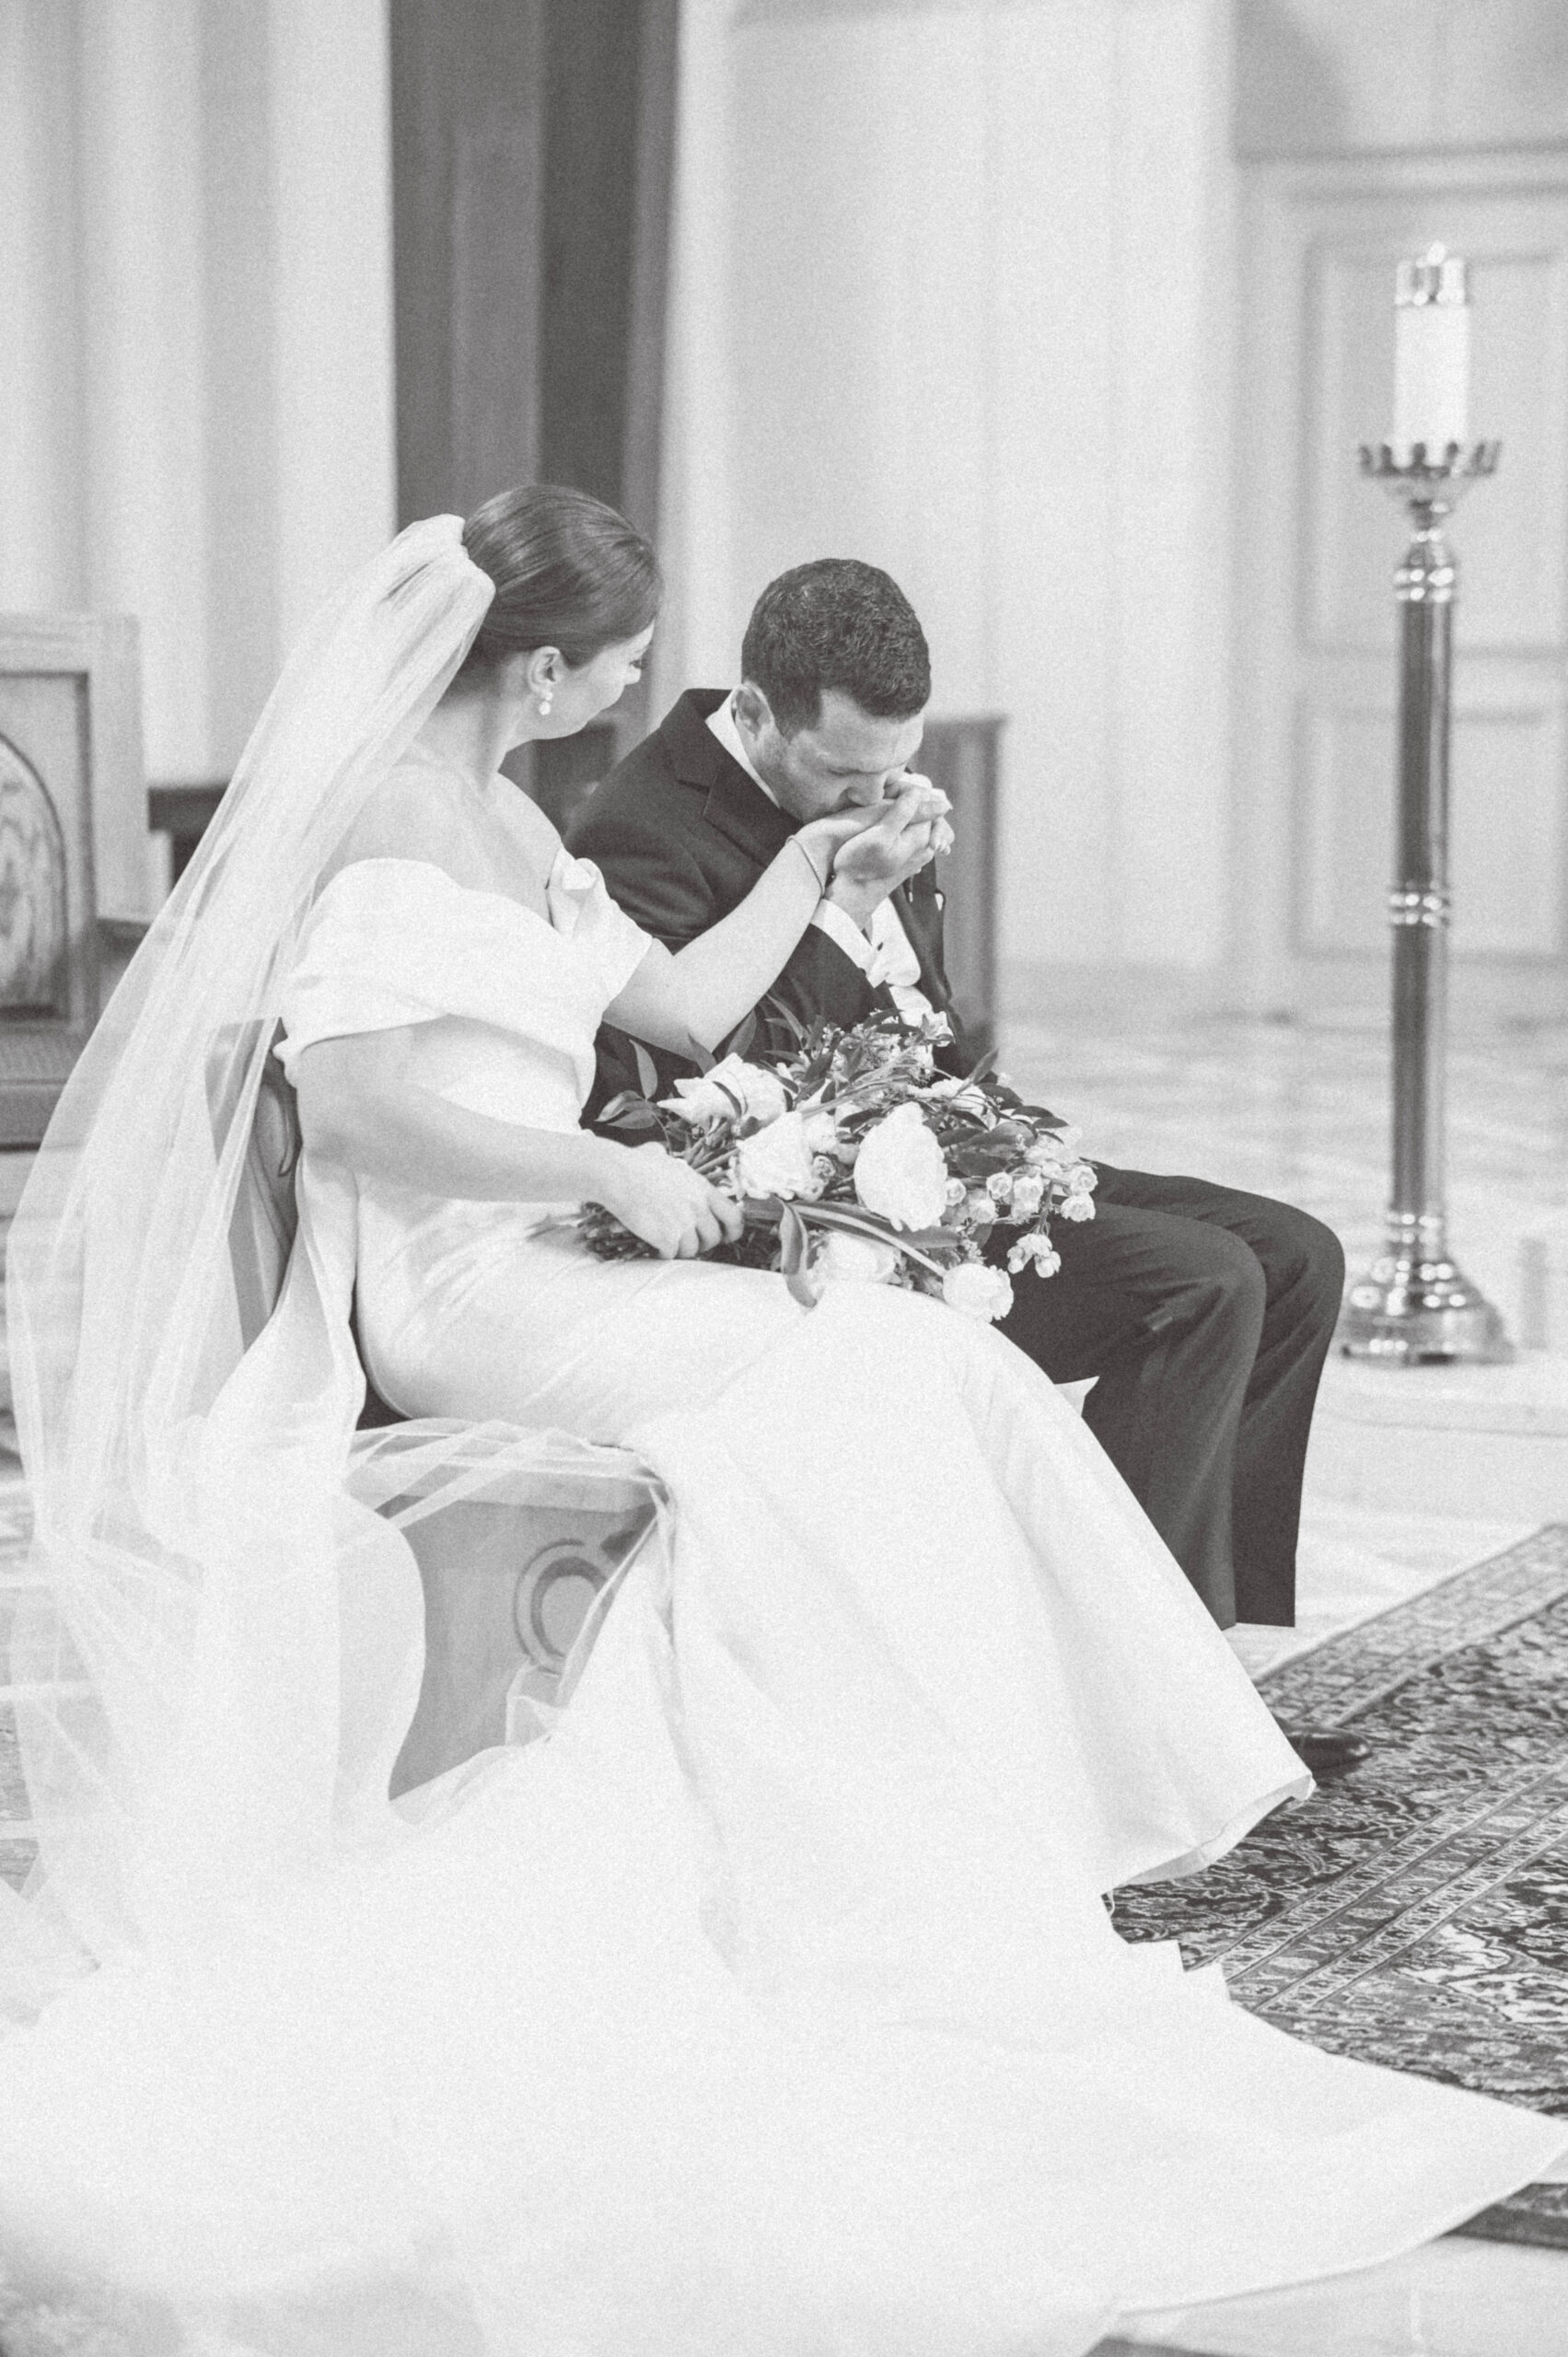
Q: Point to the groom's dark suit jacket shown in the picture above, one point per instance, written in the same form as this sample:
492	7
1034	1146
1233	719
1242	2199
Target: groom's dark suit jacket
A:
1204	1312
682	835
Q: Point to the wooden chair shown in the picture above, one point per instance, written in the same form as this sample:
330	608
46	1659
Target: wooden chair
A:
505	1594
72	845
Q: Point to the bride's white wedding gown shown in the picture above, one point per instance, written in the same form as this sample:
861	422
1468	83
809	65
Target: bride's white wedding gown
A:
768	2007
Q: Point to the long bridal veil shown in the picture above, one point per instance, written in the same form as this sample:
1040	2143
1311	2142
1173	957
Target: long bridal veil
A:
218	1648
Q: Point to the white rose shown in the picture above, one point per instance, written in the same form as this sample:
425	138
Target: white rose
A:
999	1187
899	1171
698	1101
961	1095
777	1161
1028	1193
1037	1248
1082	1179
761	1093
1077	1204
821	1131
855	1260
978	1291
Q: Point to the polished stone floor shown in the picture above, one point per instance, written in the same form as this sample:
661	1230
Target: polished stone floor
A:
1302	1112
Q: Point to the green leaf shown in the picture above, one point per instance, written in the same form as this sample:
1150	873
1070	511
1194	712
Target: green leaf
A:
745	1031
864	1223
794	1256
977	1159
636	1115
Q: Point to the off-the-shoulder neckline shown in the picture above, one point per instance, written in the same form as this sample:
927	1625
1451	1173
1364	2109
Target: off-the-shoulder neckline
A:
563	858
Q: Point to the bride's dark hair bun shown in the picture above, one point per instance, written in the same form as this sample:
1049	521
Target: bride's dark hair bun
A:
568	570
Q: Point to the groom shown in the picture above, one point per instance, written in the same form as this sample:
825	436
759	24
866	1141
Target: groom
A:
1204	1312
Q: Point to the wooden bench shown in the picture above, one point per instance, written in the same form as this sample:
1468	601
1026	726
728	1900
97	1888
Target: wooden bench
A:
507	1593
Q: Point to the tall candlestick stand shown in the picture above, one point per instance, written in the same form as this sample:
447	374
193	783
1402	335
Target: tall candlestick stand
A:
1415	1307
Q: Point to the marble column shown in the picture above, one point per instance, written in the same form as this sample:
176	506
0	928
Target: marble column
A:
331	360
41	511
143	357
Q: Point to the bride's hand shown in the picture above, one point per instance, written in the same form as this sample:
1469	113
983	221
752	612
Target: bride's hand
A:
908	831
897	834
666	1202
822	838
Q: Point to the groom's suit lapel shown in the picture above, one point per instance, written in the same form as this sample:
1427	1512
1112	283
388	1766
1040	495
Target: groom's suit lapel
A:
732	805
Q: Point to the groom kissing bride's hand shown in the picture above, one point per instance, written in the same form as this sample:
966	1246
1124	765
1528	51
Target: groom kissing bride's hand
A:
908	830
860	854
859	851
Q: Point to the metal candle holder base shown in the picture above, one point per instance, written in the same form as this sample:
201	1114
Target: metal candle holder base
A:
1415	1307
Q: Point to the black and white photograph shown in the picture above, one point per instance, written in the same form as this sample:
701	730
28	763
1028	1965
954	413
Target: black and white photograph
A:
784	1166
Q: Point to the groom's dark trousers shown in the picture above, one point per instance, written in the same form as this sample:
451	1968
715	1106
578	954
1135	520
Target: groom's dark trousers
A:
1206	1313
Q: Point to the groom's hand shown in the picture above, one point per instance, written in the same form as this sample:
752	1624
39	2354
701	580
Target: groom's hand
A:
908	833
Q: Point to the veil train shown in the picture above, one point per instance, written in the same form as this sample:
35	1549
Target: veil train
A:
218	1654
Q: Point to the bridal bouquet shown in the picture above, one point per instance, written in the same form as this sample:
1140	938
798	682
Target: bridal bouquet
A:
854	1157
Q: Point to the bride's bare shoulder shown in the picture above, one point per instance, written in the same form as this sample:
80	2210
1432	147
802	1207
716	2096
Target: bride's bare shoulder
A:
409	815
419	813
526	828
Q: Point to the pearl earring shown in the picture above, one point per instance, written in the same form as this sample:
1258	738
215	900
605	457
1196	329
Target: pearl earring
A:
545	700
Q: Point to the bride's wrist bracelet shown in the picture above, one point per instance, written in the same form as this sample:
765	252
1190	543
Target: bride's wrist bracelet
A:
820	873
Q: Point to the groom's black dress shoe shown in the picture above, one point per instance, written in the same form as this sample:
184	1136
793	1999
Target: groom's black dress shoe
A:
1326	1750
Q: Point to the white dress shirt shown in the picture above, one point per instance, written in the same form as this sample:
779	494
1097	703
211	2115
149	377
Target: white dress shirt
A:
884	952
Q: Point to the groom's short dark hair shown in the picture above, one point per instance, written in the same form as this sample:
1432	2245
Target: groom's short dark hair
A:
836	624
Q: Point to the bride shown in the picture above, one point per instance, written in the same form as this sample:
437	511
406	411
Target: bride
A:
767	2005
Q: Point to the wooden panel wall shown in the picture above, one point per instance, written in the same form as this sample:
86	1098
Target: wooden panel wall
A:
468	178
532	146
1340	77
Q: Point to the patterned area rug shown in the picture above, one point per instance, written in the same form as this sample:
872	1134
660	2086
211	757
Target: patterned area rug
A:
1414	1913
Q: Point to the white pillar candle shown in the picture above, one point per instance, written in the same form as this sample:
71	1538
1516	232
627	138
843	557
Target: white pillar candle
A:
1432	354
